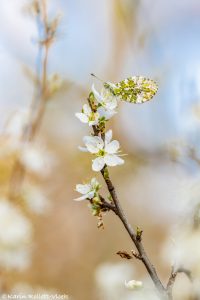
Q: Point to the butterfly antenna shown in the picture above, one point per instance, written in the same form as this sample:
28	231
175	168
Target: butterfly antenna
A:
92	74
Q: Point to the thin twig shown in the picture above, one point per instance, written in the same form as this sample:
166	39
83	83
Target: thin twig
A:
120	213
172	279
142	253
37	107
106	205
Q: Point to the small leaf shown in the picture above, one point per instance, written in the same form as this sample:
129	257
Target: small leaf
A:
139	234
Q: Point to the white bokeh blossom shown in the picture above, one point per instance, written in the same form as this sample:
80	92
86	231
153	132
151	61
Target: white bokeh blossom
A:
178	248
35	199
89	190
15	237
37	159
17	123
87	116
106	151
109	278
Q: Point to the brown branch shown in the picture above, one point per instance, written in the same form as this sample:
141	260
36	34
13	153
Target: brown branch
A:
136	255
171	282
105	205
142	255
172	279
138	243
37	110
43	95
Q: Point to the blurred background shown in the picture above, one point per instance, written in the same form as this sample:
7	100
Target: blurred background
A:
47	240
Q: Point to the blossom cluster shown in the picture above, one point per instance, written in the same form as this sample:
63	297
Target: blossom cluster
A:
101	107
105	104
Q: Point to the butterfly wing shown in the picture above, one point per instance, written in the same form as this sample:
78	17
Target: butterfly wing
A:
136	89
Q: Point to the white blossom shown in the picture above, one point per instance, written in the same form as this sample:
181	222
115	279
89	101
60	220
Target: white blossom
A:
133	284
104	113
89	191
104	150
88	116
11	140
107	102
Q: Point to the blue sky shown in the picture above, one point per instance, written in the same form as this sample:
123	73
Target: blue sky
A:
171	55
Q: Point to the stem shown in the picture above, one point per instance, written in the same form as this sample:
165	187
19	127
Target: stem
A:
42	104
43	89
38	105
172	279
134	236
138	243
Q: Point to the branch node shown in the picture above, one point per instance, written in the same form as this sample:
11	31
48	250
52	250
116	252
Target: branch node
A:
136	255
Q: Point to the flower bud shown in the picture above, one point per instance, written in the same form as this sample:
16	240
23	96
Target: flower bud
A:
133	285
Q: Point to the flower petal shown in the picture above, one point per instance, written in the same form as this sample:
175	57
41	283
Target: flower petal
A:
83	188
82	117
94	182
107	114
95	119
93	143
92	148
82	149
91	123
113	160
112	147
98	164
111	104
108	136
84	197
92	139
90	195
87	109
97	96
